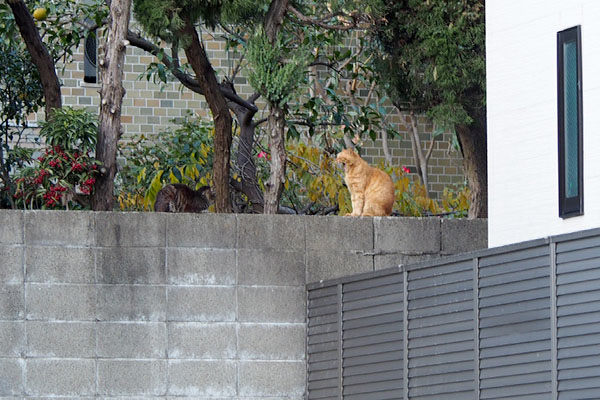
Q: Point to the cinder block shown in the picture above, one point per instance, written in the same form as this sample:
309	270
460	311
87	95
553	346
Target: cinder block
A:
272	378
12	339
271	267
60	264
11	227
330	264
281	232
203	303
131	303
201	230
12	301
131	265
197	340
116	229
463	235
132	377
60	377
61	302
61	339
336	233
271	304
272	342
188	266
409	236
52	228
202	378
11	377
11	270
132	340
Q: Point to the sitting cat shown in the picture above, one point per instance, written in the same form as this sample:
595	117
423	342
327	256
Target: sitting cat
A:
177	197
371	189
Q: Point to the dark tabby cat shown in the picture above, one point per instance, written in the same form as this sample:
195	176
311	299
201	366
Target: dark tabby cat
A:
177	197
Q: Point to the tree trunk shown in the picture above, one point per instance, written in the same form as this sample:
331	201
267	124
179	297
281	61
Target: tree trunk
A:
473	142
39	55
111	99
276	119
244	160
222	118
274	186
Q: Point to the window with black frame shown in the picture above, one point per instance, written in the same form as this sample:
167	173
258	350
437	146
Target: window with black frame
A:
570	123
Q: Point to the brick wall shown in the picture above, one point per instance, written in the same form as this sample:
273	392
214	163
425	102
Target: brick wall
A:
196	306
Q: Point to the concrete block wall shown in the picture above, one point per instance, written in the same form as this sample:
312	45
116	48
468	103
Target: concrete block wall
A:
199	306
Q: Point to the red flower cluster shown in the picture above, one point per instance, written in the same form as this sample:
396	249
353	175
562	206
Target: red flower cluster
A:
52	197
87	186
40	177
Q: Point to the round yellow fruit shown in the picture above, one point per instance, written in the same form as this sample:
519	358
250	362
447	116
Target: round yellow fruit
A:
40	14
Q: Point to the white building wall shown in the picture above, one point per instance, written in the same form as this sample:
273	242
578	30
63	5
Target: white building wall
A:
522	116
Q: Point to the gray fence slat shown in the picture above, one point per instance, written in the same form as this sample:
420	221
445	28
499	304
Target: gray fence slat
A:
543	356
579	287
517	276
372	387
515	339
514	391
322	356
322	292
563	247
319	329
372	311
438	359
582	254
579	319
446	338
380	376
370	330
441	389
323	337
321	347
443	319
520	348
323	310
379	395
395	365
580	308
514	266
439	369
434	301
579	394
393	298
511	298
445	348
505	309
577	298
372	359
374	320
442	309
581	383
439	290
528	285
372	349
578	265
465	326
441	269
580	372
465	275
373	282
324	394
315	366
322	320
517	255
579	276
373	339
581	340
523	379
323	375
515	369
373	292
575	358
501	330
515	318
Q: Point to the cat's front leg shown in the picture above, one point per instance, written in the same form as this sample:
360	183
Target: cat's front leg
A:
358	203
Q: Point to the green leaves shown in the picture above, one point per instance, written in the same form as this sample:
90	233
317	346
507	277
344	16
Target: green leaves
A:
70	128
276	72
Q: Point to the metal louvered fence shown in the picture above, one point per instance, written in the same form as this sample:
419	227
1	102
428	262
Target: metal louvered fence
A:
516	322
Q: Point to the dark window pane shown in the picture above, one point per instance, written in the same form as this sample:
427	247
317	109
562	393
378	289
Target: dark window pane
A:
571	128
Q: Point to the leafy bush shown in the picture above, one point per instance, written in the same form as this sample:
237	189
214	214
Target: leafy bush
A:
182	155
65	174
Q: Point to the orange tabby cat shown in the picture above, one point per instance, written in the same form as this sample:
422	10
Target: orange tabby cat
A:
371	189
